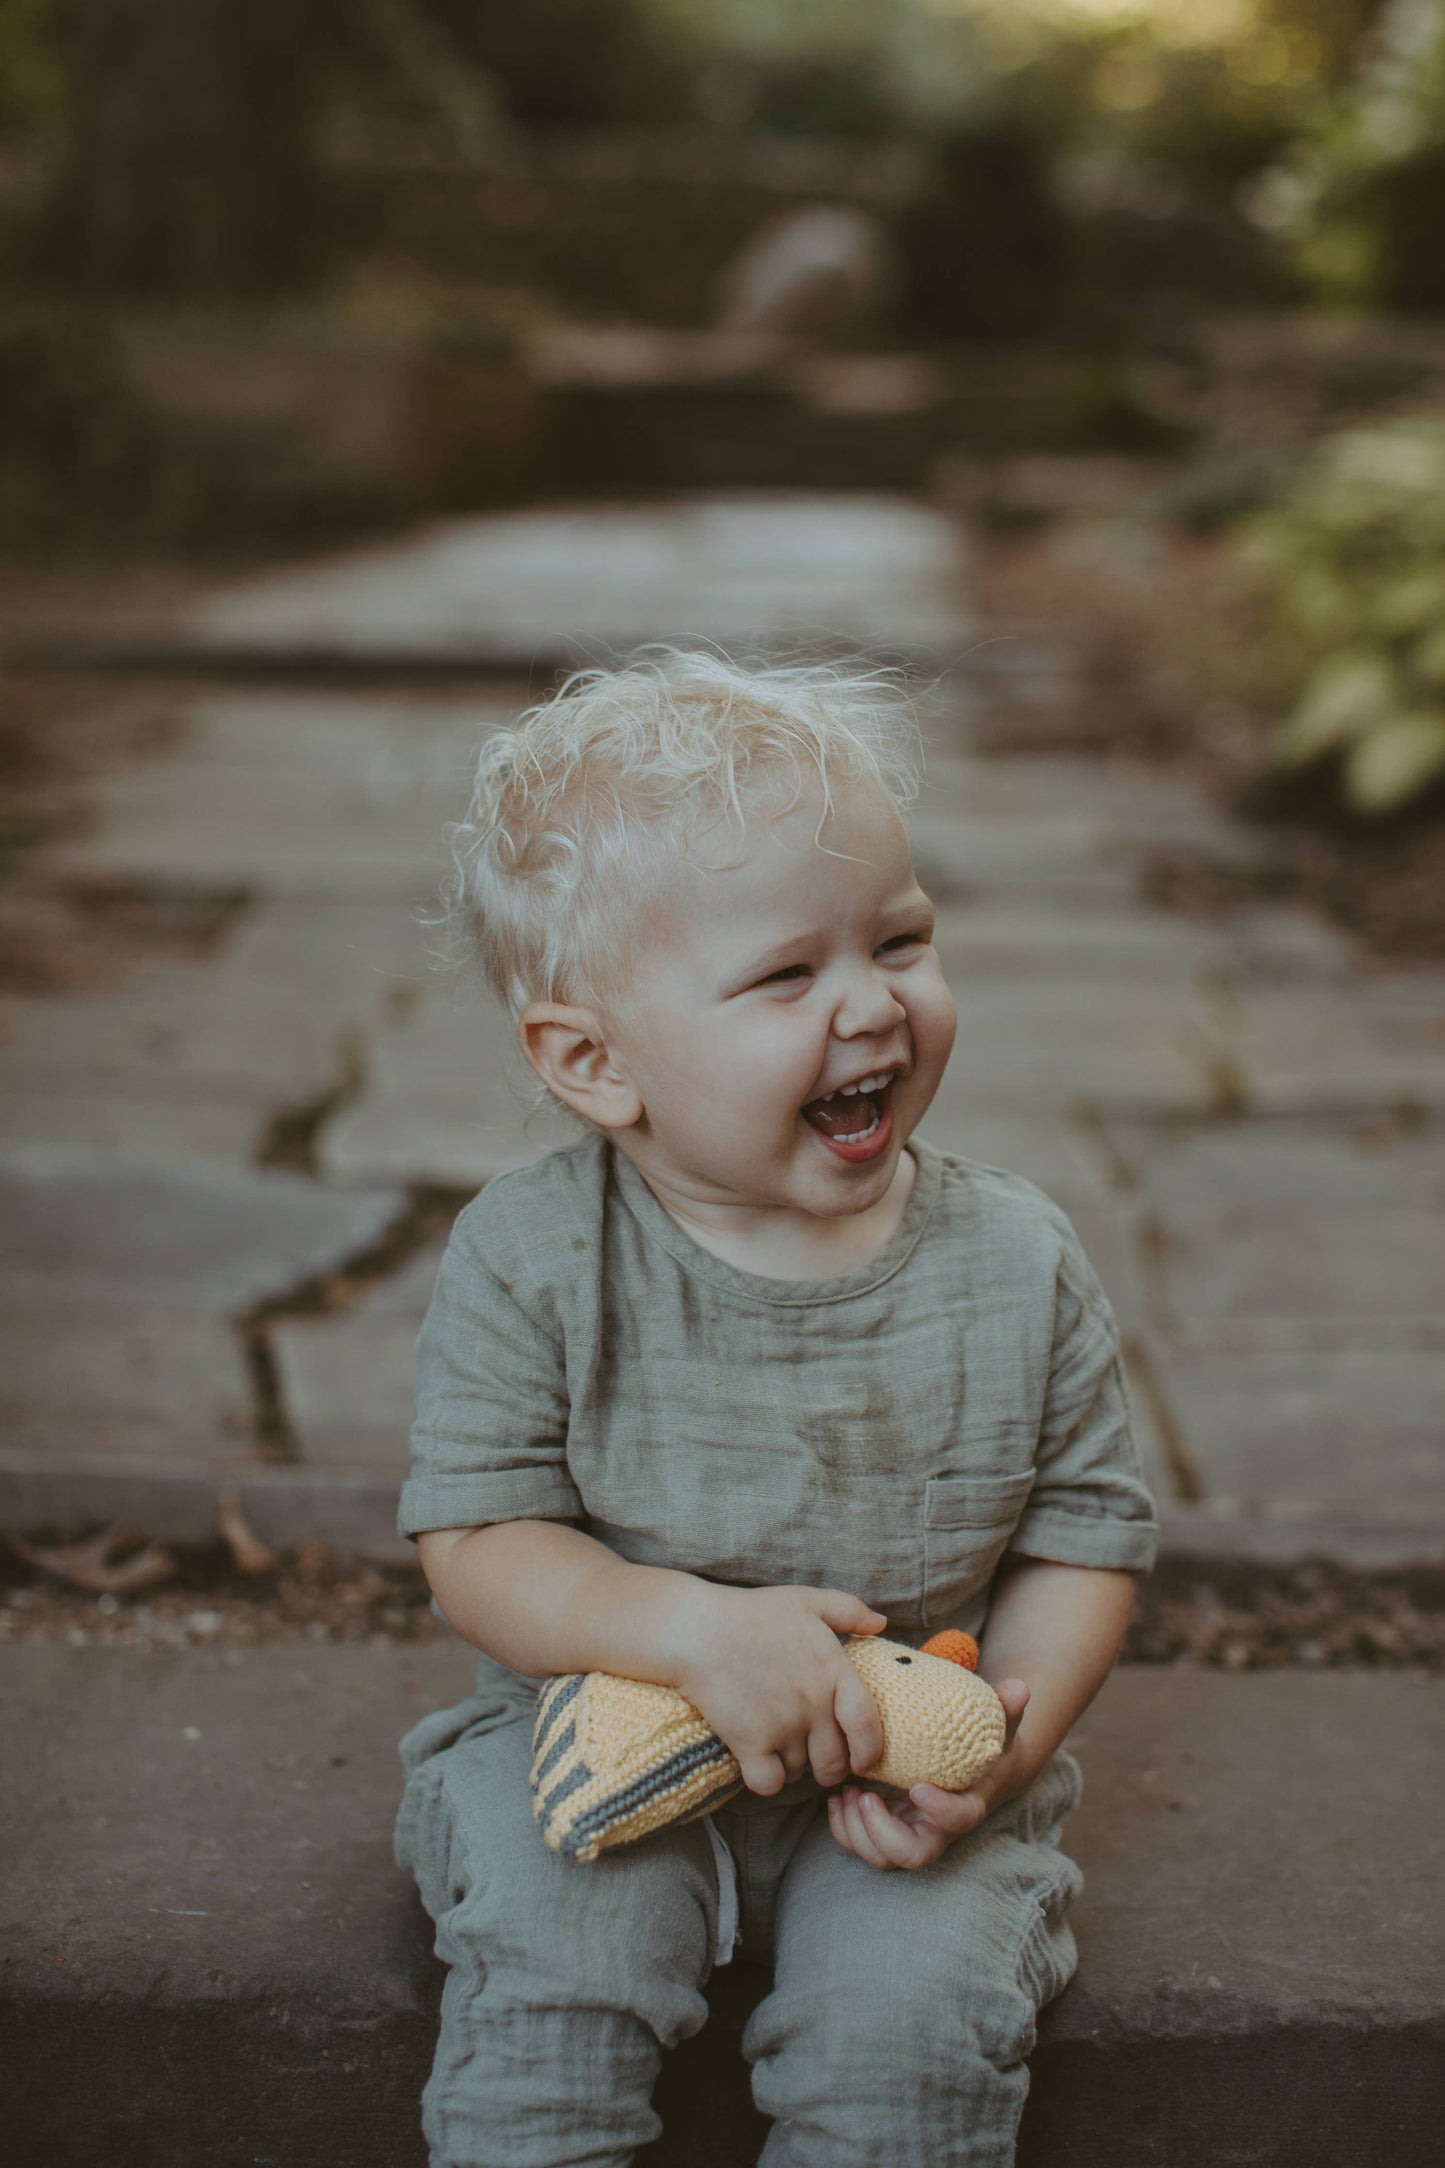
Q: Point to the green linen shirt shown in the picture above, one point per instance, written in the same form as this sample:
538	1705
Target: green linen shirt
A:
893	1431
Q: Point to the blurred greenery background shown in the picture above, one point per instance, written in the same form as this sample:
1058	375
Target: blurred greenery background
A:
224	222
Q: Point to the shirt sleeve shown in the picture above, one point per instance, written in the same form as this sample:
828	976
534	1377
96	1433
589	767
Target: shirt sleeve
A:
1090	1505
490	1438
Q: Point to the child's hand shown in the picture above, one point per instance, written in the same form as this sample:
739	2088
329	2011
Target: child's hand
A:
915	1831
766	1669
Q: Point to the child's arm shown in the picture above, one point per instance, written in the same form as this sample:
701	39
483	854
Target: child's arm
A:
763	1665
1052	1637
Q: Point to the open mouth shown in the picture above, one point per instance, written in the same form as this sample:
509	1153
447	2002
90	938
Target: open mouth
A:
856	1124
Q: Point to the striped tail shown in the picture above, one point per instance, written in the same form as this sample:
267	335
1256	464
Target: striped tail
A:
614	1759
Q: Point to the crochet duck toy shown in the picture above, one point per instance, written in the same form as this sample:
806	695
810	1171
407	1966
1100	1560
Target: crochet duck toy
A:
615	1759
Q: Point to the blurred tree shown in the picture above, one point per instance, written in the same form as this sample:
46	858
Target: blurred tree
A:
1358	198
190	166
1208	93
568	61
393	61
983	242
79	459
557	63
32	80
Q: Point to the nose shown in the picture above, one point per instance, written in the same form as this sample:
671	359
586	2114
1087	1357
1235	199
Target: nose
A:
867	1005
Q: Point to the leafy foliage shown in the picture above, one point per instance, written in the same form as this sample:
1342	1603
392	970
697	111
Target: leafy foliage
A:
1357	197
1354	559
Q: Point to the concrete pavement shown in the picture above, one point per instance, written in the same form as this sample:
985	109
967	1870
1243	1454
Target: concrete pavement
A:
1242	1116
209	1959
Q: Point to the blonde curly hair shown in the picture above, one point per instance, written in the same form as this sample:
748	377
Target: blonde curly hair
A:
578	808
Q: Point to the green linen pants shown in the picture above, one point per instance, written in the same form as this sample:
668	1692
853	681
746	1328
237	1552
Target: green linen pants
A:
902	2010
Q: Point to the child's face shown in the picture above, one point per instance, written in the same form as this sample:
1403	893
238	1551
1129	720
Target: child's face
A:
764	989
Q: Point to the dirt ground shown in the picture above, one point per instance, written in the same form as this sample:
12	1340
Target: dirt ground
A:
1235	1621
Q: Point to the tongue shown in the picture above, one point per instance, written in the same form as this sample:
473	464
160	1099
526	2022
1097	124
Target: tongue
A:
841	1117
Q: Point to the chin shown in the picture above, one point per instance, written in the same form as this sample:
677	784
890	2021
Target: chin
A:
864	1190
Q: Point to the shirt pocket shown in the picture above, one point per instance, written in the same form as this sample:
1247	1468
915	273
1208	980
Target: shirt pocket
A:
967	1521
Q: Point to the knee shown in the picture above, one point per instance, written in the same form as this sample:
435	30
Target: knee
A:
934	2029
900	2034
928	2075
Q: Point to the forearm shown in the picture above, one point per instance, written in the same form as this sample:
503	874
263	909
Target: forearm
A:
544	1598
1059	1629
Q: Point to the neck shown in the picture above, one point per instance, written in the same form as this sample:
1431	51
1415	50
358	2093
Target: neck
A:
780	1243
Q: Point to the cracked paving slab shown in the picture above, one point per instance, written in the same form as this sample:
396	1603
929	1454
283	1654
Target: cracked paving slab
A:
213	1240
347	1381
1344	1432
125	1387
182	1059
1268	1275
1276	1235
295	794
995	937
1290	1372
1321	1162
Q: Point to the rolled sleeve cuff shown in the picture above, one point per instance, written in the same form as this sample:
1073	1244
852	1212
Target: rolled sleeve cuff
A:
1086	1539
474	1500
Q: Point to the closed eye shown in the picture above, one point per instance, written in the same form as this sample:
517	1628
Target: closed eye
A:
789	971
917	939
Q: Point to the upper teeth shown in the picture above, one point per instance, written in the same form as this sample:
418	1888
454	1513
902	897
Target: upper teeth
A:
864	1084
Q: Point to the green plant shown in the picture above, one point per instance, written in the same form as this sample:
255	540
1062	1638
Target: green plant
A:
1356	200
1353	558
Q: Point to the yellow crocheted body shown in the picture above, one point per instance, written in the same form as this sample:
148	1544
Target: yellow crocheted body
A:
614	1759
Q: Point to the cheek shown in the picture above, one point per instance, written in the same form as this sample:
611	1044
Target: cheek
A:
670	1058
730	1077
933	1018
777	1058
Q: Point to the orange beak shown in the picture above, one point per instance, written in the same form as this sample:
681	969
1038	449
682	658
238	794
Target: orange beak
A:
954	1648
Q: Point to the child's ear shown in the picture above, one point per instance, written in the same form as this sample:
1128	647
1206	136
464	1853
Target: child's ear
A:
566	1048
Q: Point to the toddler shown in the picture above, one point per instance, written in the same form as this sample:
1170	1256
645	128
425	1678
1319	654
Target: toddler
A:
747	1367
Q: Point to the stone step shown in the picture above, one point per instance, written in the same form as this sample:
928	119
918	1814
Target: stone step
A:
210	1961
733	568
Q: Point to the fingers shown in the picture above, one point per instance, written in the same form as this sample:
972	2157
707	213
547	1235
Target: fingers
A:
828	1753
764	1774
954	1813
847	1614
1015	1698
864	1823
857	1715
846	1821
902	1844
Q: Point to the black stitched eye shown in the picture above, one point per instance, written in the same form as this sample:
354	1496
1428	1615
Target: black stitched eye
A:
903	1659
